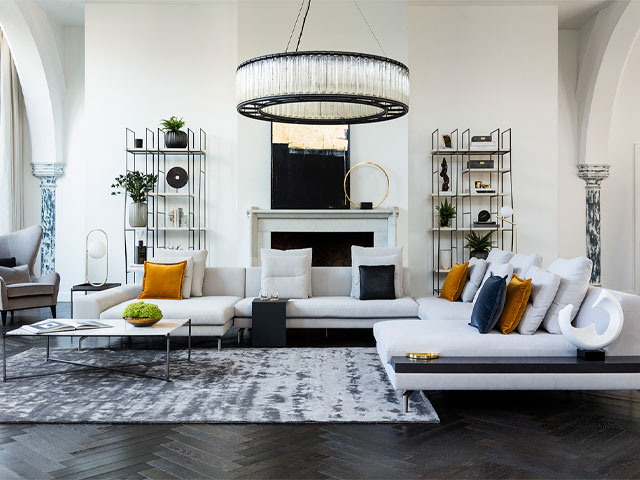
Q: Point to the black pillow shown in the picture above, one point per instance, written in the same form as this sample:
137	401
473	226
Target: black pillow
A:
489	304
377	282
8	262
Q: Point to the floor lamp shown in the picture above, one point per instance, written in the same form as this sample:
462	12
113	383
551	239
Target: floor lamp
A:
507	212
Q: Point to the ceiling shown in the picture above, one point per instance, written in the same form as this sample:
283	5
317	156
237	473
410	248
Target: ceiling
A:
571	13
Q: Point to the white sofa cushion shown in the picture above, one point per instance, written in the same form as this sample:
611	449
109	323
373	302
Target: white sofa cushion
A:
457	338
574	282
199	264
201	310
286	275
544	286
296	252
375	256
475	275
340	307
187	280
499	270
434	308
522	263
499	256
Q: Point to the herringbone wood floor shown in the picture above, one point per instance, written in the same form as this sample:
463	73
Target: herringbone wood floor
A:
481	435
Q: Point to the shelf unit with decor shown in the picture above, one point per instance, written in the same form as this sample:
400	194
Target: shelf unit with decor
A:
161	232
468	202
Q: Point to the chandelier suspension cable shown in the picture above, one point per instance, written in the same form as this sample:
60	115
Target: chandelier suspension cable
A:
294	26
370	29
304	20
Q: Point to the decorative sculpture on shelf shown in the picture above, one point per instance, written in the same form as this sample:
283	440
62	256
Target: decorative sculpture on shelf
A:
445	177
587	339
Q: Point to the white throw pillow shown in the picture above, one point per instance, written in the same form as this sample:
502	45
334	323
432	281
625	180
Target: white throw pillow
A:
285	274
375	256
544	286
499	256
199	264
188	272
499	270
574	282
522	263
475	274
297	252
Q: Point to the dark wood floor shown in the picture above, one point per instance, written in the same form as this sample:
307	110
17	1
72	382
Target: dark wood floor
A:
481	435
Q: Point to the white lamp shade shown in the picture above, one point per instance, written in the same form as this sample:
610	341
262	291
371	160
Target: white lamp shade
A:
97	249
506	212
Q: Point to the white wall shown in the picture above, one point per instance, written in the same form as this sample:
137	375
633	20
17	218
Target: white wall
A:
264	27
484	68
145	63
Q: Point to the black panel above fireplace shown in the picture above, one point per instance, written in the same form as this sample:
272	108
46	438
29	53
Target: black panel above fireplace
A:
330	249
308	166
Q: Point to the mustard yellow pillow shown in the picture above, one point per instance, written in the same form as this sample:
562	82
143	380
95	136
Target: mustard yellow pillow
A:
518	293
454	283
163	280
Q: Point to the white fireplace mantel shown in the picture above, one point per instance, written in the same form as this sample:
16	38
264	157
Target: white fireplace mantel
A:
381	221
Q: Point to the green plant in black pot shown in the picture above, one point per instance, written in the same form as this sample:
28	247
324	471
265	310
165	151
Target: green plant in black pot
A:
446	212
173	136
479	244
137	185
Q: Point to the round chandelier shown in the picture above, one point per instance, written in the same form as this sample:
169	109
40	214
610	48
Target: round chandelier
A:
322	87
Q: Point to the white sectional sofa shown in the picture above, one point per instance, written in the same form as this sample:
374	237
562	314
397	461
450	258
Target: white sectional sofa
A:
443	328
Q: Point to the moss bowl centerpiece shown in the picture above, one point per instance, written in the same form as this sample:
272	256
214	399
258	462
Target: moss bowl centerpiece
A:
142	314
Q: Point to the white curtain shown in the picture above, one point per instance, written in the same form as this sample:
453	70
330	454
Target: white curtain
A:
12	113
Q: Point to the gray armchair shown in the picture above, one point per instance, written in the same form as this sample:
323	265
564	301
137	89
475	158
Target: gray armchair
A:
41	291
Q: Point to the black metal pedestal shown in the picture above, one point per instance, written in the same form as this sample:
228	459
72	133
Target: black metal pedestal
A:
269	323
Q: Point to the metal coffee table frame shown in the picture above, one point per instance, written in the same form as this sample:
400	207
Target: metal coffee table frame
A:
89	367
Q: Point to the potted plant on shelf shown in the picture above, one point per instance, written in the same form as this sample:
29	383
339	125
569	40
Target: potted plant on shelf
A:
137	185
173	136
142	314
446	212
479	244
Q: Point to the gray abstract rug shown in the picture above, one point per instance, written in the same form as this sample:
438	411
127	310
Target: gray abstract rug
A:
233	386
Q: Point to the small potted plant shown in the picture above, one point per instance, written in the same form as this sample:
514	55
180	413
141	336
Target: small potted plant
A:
479	244
173	136
142	314
138	185
446	212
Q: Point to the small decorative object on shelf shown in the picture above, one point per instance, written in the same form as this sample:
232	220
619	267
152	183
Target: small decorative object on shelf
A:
141	314
483	216
173	136
445	259
177	177
137	143
488	164
137	185
478	244
443	174
96	250
141	253
446	212
587	339
446	141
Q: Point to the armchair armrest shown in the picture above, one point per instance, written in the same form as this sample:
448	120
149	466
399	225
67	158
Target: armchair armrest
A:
51	278
91	306
4	299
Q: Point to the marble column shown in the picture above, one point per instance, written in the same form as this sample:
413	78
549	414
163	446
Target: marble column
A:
48	173
593	175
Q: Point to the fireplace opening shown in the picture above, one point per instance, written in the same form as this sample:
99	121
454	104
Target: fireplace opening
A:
330	249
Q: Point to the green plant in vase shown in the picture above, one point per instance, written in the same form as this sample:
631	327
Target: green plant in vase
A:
479	244
446	212
173	136
137	185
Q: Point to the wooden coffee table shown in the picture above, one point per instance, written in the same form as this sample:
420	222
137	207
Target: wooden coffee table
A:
119	328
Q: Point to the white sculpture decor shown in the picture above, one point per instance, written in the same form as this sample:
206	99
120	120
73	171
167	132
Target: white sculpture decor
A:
587	338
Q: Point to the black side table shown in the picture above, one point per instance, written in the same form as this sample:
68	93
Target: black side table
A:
87	287
269	323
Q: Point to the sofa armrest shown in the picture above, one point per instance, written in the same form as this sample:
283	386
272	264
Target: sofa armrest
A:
91	306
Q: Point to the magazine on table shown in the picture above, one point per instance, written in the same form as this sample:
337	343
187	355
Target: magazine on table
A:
52	326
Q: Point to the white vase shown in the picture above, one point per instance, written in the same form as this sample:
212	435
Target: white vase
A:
445	259
138	215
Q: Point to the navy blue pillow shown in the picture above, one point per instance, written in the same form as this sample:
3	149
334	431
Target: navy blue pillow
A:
489	304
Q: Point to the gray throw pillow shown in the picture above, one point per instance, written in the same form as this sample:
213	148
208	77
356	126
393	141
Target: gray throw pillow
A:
475	275
19	274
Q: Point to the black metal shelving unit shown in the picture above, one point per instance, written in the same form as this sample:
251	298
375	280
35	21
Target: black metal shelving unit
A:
153	157
463	196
